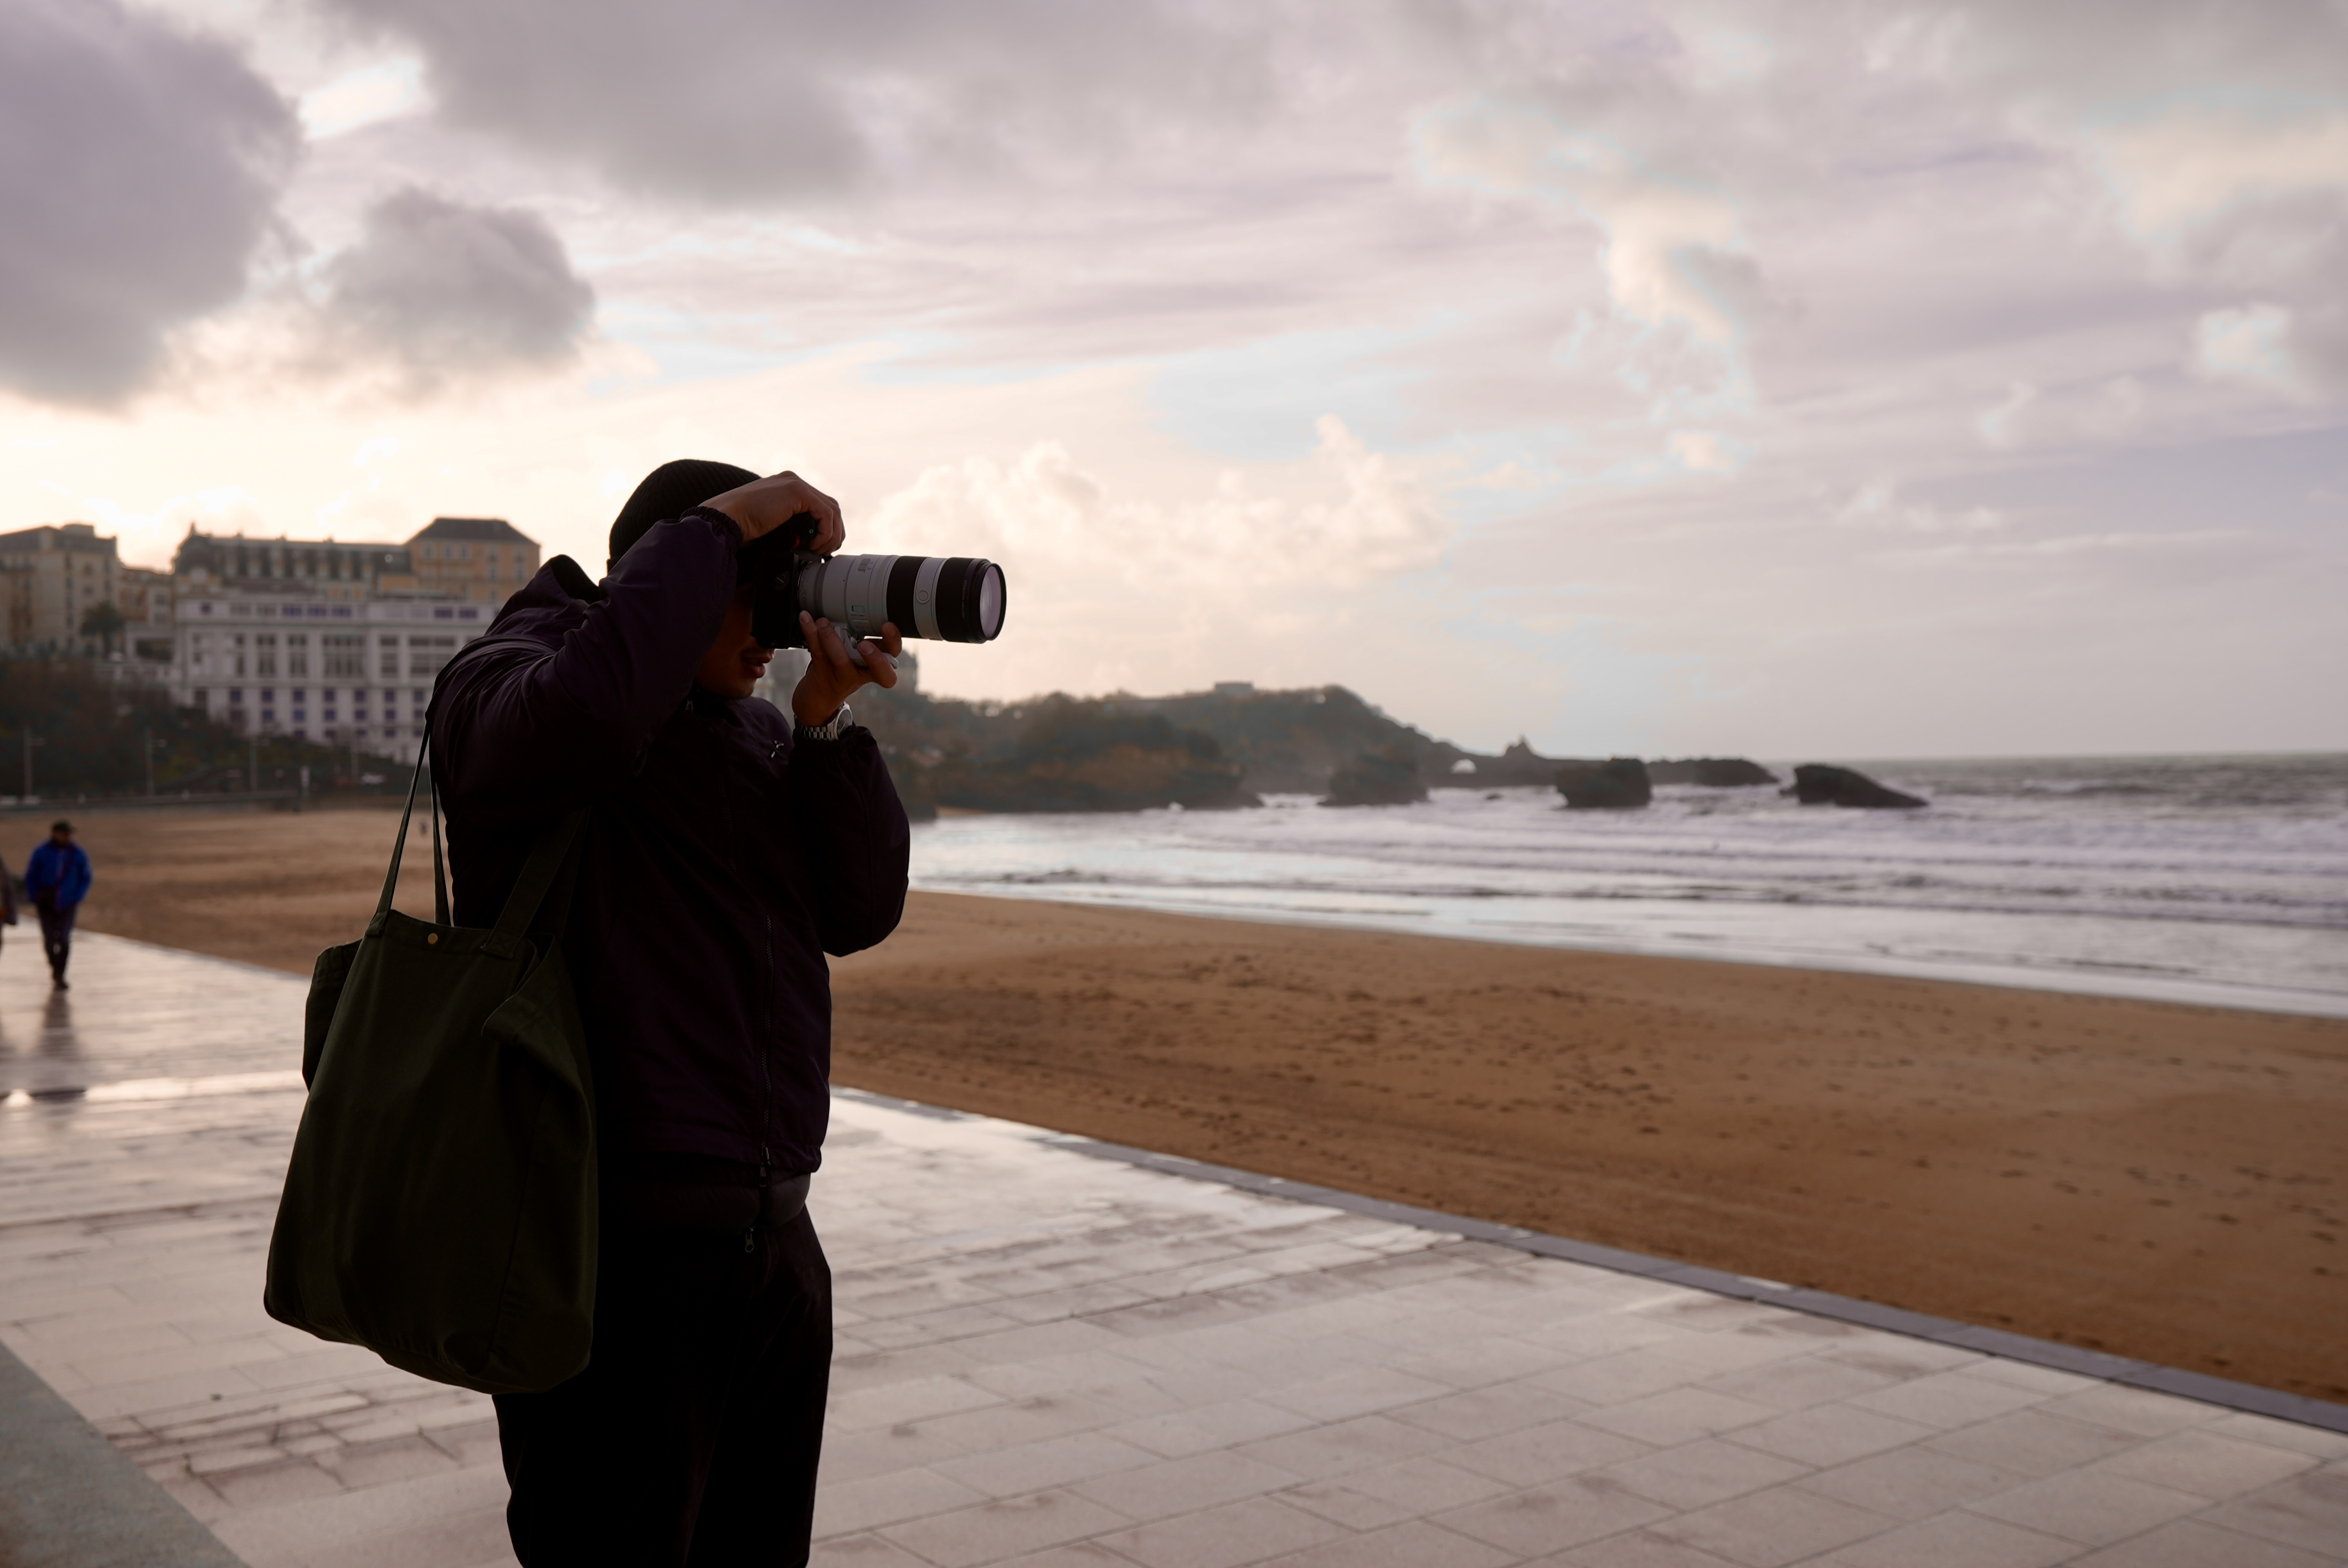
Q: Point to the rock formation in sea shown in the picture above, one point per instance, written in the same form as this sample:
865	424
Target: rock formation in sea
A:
1819	784
1618	784
1387	777
1711	772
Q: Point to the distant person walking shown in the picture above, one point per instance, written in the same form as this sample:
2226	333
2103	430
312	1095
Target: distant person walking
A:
57	879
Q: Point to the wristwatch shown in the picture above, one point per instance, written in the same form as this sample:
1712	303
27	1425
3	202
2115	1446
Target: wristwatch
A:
832	728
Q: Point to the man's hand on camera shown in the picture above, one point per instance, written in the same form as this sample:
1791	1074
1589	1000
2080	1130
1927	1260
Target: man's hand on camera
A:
831	677
762	505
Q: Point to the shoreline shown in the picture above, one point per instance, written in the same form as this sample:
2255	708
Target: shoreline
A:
2284	1002
2151	1179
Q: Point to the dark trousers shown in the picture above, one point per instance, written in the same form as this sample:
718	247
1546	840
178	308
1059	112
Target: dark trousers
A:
691	1440
56	934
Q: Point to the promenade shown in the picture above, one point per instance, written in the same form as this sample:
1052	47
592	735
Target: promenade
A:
1059	1360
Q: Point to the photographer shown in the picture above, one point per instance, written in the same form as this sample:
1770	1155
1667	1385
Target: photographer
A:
727	850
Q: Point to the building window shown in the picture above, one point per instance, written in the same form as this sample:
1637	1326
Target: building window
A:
264	653
236	696
344	654
389	650
426	654
297	654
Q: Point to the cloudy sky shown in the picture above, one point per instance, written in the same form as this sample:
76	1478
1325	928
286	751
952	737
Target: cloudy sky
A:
1803	378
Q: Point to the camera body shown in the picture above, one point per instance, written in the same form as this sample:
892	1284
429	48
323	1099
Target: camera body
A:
948	598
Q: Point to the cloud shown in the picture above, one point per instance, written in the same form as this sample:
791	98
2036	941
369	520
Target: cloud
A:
2300	354
443	290
140	170
2181	168
1346	516
762	100
1674	252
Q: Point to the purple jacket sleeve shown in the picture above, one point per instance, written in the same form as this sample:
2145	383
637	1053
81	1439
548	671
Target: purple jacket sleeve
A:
852	827
525	731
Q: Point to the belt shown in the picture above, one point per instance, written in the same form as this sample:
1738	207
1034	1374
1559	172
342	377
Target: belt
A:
690	1192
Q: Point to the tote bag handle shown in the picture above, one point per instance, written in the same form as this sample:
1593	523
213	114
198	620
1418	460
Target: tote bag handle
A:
547	857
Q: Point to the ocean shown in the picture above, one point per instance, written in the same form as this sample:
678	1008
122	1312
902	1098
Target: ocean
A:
2211	879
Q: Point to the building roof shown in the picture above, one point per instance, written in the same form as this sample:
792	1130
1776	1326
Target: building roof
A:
496	530
57	536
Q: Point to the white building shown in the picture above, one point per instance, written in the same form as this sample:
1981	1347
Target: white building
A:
342	672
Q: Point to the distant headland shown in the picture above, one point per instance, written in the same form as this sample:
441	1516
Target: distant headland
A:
1227	748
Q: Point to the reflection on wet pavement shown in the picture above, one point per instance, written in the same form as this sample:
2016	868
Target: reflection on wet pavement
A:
1050	1359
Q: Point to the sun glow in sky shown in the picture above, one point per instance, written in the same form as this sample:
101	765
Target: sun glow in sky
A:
1663	378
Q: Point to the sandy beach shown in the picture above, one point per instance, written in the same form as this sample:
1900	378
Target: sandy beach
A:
2159	1181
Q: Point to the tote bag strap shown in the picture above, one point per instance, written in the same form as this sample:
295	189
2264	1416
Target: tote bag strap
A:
399	844
548	858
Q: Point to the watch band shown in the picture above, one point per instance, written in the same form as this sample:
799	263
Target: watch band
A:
832	728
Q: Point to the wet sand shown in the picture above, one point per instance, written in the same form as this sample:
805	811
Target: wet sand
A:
2158	1181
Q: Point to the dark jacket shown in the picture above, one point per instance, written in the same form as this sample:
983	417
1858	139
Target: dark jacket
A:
722	862
57	876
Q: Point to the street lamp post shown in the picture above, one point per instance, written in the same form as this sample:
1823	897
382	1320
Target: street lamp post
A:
31	741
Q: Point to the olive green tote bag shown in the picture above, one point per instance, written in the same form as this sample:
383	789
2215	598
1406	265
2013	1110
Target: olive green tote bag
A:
440	1205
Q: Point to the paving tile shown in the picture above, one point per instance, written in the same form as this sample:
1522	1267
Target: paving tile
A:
371	1464
1004	1528
1620	1378
1544	1453
861	1552
1766	1528
1949	1539
1342	1448
1948	1399
2251	1428
266	1486
893	1404
2309	1511
1489	1411
1681	1416
1358	1392
1167	1487
1828	1434
1414	1488
1052	1461
1418	1545
1696	1475
1799	1383
1224	1537
1634	1549
1081	1554
1911	1482
2192	1543
1195	1428
2204	1463
2091	1507
1547	1518
2033	1442
852	1507
1027	1421
2137	1411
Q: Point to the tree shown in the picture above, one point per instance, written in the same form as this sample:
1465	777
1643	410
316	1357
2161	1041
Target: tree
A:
105	622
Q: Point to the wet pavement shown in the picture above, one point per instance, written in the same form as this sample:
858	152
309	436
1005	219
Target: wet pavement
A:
1064	1362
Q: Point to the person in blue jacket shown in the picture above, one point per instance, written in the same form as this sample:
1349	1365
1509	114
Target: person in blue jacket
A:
56	879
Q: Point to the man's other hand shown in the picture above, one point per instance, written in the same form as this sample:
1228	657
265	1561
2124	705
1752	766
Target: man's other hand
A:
831	677
762	505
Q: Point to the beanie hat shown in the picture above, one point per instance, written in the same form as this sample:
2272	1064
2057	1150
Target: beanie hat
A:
669	491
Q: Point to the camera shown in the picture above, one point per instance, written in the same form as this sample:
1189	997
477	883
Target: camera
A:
948	598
